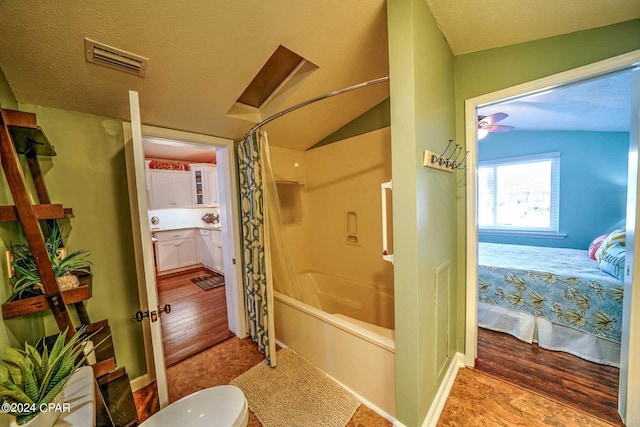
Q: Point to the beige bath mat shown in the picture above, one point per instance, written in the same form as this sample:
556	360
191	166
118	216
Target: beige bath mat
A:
295	393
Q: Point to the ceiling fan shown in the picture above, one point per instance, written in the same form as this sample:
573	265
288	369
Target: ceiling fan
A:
486	124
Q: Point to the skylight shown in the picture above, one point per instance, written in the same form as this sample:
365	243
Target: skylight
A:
274	72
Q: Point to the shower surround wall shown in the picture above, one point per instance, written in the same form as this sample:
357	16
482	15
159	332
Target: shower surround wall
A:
345	299
340	196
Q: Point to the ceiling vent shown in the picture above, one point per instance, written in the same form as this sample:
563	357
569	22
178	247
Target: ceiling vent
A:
111	57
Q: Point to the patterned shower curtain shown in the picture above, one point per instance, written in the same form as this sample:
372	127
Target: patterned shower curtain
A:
255	243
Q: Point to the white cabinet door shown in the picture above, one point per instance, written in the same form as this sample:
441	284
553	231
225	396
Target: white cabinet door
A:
211	186
216	241
187	252
204	184
217	258
181	190
206	248
160	190
176	249
197	185
170	189
168	256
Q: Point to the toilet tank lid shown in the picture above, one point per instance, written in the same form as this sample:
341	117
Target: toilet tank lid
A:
220	406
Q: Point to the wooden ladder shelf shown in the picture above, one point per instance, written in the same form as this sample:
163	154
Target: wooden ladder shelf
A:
20	134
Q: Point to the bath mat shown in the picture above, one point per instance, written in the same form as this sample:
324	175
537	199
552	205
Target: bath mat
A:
209	282
295	393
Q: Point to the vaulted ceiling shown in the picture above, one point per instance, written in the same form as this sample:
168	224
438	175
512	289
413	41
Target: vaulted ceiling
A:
203	54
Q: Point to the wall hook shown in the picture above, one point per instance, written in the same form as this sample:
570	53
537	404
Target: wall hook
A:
443	161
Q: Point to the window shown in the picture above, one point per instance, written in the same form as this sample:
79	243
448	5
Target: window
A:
519	193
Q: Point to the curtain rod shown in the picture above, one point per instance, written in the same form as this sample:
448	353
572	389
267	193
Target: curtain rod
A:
316	99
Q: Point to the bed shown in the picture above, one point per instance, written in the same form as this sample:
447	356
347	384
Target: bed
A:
556	297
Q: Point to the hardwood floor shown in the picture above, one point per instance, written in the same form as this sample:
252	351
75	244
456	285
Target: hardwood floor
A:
567	379
198	318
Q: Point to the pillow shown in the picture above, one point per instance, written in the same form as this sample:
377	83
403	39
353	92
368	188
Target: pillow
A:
595	245
613	261
616	237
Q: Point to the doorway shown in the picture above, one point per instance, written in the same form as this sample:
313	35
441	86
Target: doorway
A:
141	224
628	386
184	218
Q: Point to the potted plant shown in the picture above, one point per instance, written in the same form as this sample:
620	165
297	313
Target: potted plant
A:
30	379
27	282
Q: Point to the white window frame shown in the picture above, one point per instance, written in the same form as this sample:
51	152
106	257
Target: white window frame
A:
551	231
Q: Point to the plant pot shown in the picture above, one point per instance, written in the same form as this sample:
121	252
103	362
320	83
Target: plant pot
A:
67	281
43	419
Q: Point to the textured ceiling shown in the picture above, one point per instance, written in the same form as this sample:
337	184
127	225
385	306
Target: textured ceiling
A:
602	104
472	25
202	54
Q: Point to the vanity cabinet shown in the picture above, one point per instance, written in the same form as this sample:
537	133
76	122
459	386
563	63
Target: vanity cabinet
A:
176	249
169	189
204	184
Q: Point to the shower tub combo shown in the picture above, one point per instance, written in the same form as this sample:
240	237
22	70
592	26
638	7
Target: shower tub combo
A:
345	328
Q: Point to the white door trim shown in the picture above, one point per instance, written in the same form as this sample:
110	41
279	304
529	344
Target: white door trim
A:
230	216
592	70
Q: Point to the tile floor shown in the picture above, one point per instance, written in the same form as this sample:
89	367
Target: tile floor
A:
217	366
476	399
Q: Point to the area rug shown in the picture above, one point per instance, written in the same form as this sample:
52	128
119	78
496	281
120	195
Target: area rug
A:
209	281
295	393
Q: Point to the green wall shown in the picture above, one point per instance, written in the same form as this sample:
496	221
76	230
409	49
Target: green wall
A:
490	70
7	100
375	118
89	175
424	204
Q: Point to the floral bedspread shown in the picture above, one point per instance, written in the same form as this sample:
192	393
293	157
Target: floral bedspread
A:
564	286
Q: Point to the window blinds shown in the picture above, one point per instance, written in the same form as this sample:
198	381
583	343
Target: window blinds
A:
520	193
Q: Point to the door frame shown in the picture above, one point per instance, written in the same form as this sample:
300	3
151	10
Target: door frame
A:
229	215
471	331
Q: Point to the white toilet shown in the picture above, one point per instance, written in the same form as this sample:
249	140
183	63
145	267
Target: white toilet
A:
221	406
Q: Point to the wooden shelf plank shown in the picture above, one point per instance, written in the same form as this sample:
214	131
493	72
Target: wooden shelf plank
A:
20	118
10	213
27	136
11	309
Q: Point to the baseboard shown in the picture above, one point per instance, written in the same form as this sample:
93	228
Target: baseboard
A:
281	344
139	382
439	401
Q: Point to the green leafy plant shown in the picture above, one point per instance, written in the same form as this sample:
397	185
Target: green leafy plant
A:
31	379
27	279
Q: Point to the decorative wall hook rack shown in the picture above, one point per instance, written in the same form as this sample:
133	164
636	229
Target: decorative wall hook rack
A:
444	161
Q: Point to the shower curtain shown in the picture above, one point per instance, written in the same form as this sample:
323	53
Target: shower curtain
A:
255	243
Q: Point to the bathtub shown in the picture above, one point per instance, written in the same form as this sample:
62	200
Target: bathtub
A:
338	295
329	327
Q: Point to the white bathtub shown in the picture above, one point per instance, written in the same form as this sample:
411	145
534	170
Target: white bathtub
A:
338	295
359	355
